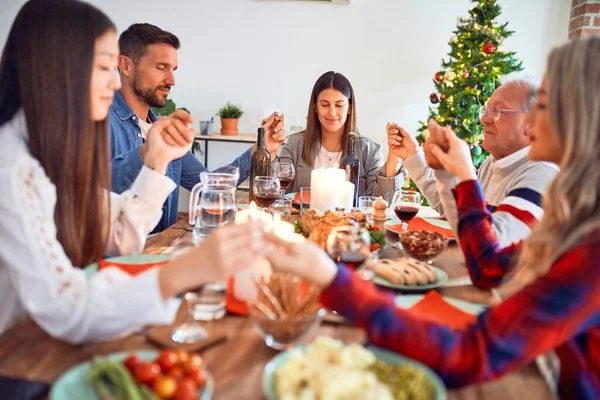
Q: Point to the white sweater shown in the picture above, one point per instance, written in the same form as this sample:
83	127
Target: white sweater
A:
37	277
513	188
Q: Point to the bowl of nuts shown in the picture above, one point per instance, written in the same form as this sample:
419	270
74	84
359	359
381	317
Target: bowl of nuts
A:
423	245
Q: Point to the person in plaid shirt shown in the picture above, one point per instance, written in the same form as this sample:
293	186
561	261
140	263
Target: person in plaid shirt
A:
553	300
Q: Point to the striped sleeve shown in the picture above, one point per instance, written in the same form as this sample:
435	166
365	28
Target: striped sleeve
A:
523	204
487	261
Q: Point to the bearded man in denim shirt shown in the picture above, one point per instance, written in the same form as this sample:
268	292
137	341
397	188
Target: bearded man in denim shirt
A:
147	64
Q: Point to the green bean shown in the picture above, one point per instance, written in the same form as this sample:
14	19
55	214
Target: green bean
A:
404	381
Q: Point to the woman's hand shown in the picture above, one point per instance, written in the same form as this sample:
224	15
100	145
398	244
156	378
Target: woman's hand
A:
274	132
400	141
225	252
169	138
306	260
457	159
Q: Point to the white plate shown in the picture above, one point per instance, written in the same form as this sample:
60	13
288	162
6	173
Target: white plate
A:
409	300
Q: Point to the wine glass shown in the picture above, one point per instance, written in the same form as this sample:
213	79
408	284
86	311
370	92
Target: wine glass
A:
406	206
286	174
351	245
266	190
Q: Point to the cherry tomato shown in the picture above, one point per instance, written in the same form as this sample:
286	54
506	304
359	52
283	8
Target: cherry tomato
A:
177	372
146	373
167	359
183	356
375	228
193	363
186	390
164	386
131	362
198	377
375	246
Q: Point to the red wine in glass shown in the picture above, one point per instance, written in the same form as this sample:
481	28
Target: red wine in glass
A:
265	199
286	183
353	259
406	213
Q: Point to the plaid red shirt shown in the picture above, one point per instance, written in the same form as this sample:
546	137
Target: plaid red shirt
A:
560	311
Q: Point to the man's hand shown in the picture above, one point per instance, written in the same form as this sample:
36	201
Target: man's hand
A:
401	143
169	138
274	132
457	158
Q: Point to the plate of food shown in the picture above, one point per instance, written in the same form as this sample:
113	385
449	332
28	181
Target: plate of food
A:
317	226
143	374
330	369
406	273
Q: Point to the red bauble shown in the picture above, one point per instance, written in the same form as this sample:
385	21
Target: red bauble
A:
439	76
442	97
433	97
489	48
465	75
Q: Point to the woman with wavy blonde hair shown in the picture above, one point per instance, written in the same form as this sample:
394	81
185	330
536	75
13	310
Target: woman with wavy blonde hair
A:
553	301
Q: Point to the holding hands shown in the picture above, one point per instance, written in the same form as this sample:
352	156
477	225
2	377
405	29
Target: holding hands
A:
455	158
169	138
401	143
274	132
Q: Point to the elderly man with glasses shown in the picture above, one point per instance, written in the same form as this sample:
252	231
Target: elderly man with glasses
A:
512	184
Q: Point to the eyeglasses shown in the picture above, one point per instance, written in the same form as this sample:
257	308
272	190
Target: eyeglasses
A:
494	113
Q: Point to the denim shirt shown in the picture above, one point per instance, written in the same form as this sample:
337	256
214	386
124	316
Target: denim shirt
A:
125	141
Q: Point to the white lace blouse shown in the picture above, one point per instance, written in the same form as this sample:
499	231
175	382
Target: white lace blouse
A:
37	277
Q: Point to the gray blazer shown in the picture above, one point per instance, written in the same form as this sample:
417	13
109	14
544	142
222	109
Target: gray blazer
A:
372	181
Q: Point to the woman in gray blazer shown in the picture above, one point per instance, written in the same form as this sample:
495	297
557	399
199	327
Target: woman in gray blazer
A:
331	116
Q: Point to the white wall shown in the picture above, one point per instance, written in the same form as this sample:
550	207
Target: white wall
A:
268	53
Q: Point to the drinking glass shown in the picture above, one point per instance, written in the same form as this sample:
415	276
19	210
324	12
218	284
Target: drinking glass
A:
283	207
266	190
365	204
406	206
286	174
217	208
352	246
304	199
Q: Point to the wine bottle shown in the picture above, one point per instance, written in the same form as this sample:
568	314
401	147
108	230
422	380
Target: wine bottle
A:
351	164
260	163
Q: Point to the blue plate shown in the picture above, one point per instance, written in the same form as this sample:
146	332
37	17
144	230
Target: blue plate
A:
409	300
74	384
442	278
91	269
268	381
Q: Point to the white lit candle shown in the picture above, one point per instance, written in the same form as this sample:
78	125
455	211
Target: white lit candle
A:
324	188
346	195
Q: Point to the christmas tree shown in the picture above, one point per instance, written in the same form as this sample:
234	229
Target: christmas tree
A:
471	74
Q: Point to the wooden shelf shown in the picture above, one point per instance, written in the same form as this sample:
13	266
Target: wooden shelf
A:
242	137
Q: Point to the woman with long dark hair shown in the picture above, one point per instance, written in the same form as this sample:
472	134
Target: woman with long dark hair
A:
57	81
552	303
331	117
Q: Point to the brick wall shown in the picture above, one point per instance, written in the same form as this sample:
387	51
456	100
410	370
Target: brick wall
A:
585	18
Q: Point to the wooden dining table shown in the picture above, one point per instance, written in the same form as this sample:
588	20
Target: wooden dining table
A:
237	363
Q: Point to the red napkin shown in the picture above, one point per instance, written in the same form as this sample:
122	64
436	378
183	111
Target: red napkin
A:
419	224
233	305
306	198
131	269
433	308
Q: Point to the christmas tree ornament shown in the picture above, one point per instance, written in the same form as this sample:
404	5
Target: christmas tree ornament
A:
453	39
465	75
476	150
489	48
439	76
449	84
449	76
442	97
433	98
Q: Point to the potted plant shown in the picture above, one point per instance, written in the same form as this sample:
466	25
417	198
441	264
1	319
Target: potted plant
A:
230	115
